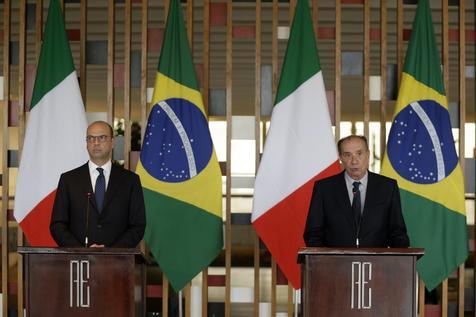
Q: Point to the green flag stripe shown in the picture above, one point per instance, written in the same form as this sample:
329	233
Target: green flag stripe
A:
301	61
56	61
440	231
422	60
186	238
179	67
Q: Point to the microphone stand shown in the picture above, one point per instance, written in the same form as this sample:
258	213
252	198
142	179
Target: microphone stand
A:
87	221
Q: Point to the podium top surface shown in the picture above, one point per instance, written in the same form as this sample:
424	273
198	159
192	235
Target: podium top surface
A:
302	252
81	251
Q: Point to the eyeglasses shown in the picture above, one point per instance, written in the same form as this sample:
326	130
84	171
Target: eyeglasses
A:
99	138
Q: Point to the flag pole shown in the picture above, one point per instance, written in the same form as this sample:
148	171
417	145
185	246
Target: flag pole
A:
180	313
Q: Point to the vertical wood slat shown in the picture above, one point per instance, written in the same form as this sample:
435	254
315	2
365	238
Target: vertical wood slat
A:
366	102
187	292
399	39
290	300
206	56
21	131
421	298
256	248
445	41
82	48
274	65
229	101
337	67
143	61
6	102
274	273
111	29
292	8
190	24
165	295
205	96
445	55
127	81
462	121
38	27
315	22
383	76
444	298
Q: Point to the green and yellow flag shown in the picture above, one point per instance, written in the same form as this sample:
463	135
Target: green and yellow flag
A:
178	167
421	155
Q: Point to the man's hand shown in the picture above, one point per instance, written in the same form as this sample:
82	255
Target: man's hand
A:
96	245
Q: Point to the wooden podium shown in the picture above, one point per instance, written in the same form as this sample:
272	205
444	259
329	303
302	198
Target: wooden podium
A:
359	282
83	282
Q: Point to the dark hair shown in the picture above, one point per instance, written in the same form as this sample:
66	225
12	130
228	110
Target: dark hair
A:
111	131
350	137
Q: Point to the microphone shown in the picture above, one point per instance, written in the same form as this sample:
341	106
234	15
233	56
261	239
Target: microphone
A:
88	195
358	230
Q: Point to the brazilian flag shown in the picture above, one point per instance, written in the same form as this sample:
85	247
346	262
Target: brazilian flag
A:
178	167
421	155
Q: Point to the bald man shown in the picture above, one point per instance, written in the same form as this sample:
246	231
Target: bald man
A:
98	204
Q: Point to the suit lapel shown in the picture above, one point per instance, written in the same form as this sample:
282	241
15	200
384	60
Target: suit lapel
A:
113	184
370	193
85	184
344	197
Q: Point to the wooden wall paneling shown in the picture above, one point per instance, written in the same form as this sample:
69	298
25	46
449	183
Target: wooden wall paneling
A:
383	76
21	132
337	67
229	102
143	61
256	241
290	300
5	172
274	65
366	102
462	121
127	81
399	39
82	48
111	29
292	8
205	96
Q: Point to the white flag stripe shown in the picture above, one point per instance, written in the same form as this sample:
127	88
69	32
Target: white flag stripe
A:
299	145
54	143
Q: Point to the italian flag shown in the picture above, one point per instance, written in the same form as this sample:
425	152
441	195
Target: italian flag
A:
300	149
422	157
55	133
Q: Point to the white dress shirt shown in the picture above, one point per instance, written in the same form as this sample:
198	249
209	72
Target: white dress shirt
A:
349	181
93	172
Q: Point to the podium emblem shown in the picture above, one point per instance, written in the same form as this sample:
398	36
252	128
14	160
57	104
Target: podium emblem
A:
79	291
361	292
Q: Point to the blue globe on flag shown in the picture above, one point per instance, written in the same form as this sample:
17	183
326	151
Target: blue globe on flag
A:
421	145
177	141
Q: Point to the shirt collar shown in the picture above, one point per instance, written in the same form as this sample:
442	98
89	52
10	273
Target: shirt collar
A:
107	167
363	180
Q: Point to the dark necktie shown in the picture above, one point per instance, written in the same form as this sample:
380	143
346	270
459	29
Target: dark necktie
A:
356	204
100	189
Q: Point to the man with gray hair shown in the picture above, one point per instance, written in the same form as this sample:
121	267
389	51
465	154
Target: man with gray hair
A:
356	207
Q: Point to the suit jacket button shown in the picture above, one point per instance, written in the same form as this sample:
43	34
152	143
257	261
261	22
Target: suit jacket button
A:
99	226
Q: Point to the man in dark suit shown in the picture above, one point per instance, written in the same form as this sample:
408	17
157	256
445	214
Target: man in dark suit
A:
355	207
98	204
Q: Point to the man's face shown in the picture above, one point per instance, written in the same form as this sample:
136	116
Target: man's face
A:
354	157
99	143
